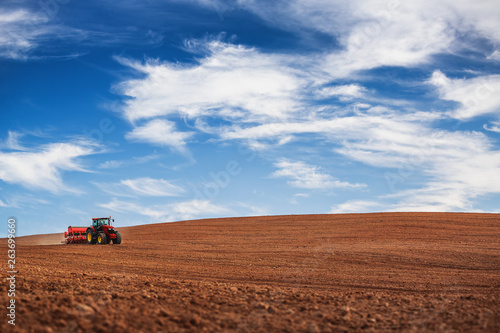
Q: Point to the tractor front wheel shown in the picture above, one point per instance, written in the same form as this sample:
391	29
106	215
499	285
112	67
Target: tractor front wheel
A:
90	237
101	238
118	239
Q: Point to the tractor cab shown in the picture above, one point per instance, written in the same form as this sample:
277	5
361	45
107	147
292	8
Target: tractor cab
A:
98	223
102	232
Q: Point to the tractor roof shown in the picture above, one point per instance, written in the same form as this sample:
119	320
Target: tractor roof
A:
101	218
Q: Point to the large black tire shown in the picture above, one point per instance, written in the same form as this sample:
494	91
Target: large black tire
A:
118	239
91	238
102	239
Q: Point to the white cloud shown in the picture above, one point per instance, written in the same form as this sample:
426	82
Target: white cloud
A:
356	206
15	38
152	187
160	132
482	18
381	36
495	55
22	31
309	177
141	187
231	81
12	142
436	197
454	167
374	33
477	96
196	208
184	210
41	168
25	200
374	121
113	164
345	92
251	210
296	196
110	164
494	126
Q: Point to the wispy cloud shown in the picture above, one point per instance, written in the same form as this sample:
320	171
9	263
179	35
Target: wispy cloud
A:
15	39
375	33
196	208
160	132
356	206
152	187
24	200
40	30
183	210
343	92
141	187
477	96
454	167
309	177
41	167
374	120
113	164
12	142
494	126
23	30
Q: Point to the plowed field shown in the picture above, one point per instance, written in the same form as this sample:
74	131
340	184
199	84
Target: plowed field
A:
409	272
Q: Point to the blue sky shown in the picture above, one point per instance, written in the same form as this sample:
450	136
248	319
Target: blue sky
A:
155	111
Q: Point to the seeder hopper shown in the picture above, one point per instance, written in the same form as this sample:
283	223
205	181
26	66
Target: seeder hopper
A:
76	235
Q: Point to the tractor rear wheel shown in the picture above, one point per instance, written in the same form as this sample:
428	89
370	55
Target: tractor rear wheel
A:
90	237
102	239
118	239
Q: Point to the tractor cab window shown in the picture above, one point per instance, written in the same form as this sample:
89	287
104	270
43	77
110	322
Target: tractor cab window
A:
95	223
104	222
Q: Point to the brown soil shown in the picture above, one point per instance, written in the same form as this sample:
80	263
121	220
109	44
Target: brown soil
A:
312	273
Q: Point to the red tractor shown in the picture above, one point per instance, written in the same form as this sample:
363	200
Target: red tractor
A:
102	232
